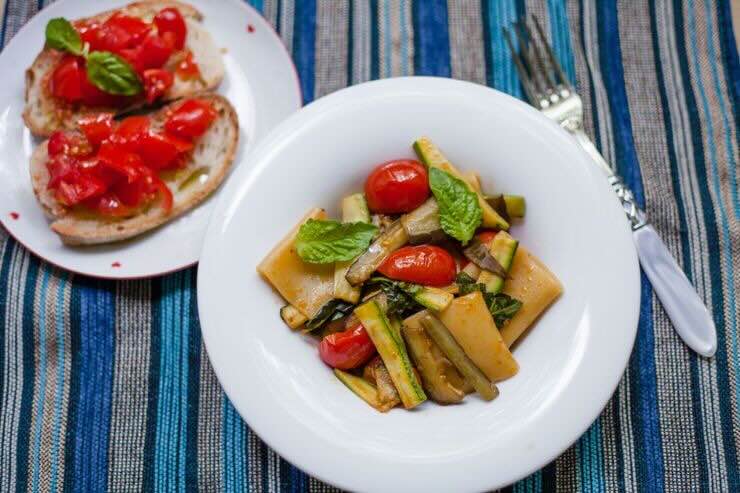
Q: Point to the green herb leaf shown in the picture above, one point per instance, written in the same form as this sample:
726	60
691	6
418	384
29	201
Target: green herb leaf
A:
503	307
467	285
399	296
61	35
459	211
112	74
324	242
331	310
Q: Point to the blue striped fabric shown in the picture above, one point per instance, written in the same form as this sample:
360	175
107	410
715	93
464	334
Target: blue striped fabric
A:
106	386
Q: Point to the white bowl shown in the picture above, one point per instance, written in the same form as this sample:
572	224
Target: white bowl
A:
571	360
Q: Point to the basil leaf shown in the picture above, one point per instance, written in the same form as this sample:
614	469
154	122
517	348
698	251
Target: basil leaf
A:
399	296
112	74
459	211
61	35
324	242
503	307
467	285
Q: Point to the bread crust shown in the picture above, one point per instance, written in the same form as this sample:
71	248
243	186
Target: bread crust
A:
44	114
214	151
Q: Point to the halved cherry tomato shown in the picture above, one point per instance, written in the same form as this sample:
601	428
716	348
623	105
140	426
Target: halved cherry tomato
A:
170	20
397	186
188	69
486	236
191	119
156	83
96	127
66	80
157	151
423	264
348	349
78	187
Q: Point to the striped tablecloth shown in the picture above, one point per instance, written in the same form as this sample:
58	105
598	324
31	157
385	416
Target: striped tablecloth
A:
106	385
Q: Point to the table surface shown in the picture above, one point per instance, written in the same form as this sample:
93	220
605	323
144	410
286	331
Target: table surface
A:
106	385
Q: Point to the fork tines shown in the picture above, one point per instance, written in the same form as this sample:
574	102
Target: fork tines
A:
542	76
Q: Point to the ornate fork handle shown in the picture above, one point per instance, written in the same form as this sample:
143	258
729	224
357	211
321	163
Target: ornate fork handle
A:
636	216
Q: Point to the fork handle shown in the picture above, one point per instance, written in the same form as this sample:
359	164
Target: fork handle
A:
684	307
591	149
690	317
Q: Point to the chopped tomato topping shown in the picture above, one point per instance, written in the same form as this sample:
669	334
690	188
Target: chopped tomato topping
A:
170	20
158	152
188	69
66	81
110	205
191	119
156	83
57	144
96	128
76	187
136	41
111	167
130	132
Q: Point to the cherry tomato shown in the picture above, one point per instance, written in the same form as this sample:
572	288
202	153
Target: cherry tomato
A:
348	349
130	132
156	83
188	69
65	82
78	187
96	127
423	264
397	186
157	151
191	119
170	20
486	236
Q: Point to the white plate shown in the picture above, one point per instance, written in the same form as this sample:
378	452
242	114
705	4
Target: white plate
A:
570	362
260	82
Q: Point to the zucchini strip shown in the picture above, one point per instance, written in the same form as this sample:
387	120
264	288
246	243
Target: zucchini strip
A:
367	263
392	350
354	209
292	316
430	155
449	346
362	389
503	247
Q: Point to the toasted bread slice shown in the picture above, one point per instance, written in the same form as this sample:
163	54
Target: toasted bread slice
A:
206	168
44	113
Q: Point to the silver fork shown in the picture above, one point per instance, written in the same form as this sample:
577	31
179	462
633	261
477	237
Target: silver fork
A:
549	90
